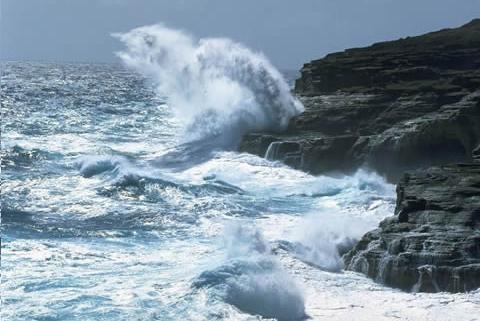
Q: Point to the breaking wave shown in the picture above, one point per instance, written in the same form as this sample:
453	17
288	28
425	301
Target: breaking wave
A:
252	280
218	89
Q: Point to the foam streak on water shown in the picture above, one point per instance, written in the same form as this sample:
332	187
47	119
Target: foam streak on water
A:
96	226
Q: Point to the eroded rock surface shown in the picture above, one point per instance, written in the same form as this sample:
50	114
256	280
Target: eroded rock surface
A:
392	106
396	106
433	242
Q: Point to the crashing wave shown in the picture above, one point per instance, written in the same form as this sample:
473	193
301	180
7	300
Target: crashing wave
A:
252	280
219	88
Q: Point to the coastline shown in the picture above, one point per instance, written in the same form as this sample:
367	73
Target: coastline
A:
410	110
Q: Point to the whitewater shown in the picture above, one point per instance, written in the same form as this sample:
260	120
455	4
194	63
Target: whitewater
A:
124	197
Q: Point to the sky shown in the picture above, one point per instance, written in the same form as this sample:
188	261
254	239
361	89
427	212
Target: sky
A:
289	32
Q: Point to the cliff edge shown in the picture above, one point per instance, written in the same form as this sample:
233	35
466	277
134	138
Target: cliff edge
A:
432	243
397	106
393	106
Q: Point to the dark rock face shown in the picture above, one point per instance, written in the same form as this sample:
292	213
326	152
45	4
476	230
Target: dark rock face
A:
396	106
393	106
445	61
433	241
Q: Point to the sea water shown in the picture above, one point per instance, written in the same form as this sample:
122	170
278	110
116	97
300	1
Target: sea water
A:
124	198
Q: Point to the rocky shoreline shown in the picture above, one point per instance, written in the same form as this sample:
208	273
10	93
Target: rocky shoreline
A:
398	106
433	242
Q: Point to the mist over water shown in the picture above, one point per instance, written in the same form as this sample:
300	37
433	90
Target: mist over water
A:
123	197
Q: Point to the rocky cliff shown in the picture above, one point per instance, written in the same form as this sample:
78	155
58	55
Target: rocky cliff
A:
433	241
393	106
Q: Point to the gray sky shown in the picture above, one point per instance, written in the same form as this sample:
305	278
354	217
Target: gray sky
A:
289	32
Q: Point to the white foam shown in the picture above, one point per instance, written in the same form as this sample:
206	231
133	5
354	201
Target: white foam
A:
321	238
219	88
91	165
252	280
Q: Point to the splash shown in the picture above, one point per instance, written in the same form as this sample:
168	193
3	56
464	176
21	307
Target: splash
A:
322	238
252	279
219	89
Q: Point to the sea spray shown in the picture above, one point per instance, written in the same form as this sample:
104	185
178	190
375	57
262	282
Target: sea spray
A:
349	207
322	238
252	280
218	88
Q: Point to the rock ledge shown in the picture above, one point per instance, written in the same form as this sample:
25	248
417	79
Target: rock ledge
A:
393	106
433	242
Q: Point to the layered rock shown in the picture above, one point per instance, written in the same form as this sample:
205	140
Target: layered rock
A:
392	106
445	61
433	241
395	106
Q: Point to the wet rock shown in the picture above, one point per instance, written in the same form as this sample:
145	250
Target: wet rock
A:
398	106
433	242
393	106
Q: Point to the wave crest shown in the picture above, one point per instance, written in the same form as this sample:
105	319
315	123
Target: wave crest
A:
253	280
219	88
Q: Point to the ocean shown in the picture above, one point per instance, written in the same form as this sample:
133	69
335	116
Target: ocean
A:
124	197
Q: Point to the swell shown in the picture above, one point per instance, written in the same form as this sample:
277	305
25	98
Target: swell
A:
120	172
16	157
